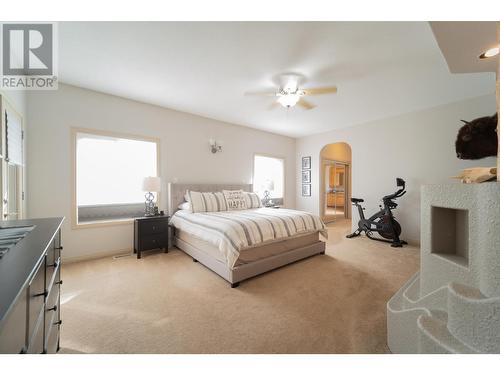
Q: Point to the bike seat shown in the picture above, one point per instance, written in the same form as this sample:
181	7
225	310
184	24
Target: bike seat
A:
357	200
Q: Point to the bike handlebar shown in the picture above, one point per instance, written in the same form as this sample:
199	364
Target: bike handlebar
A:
399	193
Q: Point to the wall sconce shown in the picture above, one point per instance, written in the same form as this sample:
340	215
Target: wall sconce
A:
214	147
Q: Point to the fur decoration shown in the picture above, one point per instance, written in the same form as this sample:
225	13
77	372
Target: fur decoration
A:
477	175
478	138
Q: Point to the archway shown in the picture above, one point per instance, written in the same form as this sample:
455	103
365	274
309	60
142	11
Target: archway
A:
335	182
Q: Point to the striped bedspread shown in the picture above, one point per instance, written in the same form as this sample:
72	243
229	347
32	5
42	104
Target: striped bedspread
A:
233	231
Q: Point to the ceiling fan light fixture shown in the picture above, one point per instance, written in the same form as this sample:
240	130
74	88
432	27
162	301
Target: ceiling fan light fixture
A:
288	100
490	53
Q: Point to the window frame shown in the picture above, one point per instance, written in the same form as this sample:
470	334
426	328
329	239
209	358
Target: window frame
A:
74	207
283	159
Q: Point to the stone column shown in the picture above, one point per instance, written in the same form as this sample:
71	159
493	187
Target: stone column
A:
498	104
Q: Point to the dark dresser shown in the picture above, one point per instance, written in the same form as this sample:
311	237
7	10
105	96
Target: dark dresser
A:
30	285
150	233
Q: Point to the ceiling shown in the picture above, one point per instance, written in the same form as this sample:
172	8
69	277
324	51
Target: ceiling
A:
381	69
462	43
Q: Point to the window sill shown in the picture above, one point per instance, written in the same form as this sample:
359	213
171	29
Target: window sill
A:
103	223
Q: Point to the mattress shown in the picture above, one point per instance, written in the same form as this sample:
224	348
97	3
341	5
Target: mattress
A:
251	254
233	231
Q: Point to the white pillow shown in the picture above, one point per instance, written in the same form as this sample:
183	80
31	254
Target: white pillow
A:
206	202
184	206
235	199
252	200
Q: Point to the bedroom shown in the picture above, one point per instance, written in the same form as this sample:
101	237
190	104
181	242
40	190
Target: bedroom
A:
225	130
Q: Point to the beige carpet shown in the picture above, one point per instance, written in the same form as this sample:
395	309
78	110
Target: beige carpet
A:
166	303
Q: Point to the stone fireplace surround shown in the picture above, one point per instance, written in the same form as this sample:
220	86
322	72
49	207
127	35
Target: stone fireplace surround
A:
452	305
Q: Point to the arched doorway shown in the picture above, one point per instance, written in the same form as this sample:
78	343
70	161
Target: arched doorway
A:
335	182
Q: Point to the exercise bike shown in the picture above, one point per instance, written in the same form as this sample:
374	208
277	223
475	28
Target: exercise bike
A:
383	222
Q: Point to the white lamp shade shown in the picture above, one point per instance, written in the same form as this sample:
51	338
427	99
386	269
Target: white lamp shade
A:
152	184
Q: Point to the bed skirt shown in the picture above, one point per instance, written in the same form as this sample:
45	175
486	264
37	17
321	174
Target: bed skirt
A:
246	271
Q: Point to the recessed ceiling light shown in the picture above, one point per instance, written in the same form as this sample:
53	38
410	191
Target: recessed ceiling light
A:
490	53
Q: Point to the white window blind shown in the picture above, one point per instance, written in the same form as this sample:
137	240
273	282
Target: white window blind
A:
14	132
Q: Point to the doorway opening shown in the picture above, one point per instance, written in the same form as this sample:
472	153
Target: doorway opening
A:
335	186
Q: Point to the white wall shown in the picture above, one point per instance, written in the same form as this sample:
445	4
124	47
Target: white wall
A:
185	155
418	146
18	99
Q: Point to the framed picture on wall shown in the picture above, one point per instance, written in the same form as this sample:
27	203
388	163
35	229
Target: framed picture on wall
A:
306	190
306	177
306	162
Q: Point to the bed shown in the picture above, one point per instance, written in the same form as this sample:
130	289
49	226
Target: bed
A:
238	245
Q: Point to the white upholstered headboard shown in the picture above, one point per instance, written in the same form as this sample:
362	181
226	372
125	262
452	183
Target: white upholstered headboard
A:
176	192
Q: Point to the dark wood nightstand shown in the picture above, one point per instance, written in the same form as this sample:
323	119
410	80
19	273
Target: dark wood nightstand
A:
150	233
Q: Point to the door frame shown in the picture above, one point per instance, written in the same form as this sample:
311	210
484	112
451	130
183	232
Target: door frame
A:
21	177
322	196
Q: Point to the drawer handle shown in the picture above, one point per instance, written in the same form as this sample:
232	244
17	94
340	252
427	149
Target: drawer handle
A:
59	282
53	308
59	248
56	263
58	323
45	294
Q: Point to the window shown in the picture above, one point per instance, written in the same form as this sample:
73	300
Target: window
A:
269	174
109	174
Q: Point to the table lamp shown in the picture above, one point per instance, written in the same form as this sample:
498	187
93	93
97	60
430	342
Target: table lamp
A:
267	186
150	185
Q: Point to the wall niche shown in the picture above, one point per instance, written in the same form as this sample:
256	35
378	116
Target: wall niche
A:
450	234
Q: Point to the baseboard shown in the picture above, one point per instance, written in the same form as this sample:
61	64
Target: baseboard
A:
99	255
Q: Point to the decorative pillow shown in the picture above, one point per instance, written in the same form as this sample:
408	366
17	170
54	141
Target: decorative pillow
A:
206	202
184	206
252	200
235	199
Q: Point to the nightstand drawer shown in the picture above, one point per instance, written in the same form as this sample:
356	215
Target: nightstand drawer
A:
154	227
150	233
154	241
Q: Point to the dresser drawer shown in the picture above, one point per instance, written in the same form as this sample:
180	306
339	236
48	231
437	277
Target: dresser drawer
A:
36	341
153	227
52	343
51	253
52	307
51	268
154	241
37	294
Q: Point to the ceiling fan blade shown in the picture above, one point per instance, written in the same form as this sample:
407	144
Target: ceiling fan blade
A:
260	93
305	104
321	90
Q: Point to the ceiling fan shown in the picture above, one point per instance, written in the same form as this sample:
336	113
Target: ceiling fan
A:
290	94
